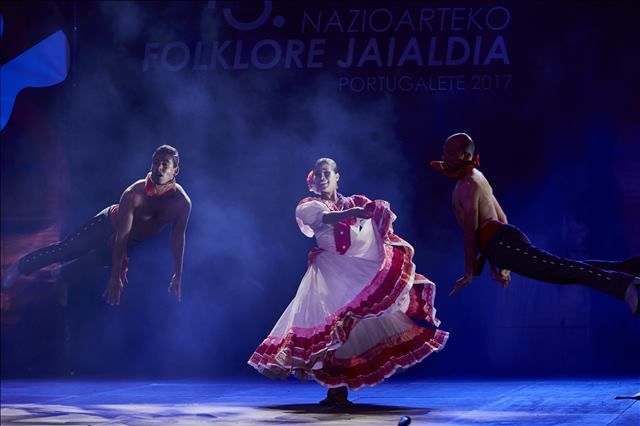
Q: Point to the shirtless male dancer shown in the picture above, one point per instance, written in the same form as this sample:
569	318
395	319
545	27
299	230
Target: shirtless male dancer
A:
144	209
487	232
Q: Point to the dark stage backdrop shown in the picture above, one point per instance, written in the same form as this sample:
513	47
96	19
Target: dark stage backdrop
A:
251	93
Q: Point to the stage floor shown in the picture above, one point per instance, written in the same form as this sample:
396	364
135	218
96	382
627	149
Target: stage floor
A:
430	402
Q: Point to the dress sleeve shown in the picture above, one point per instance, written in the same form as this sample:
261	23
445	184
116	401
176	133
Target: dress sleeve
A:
360	200
309	216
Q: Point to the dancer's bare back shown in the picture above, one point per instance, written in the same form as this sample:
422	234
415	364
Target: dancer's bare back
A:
474	203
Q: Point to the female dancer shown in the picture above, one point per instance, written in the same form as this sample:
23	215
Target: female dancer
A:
350	324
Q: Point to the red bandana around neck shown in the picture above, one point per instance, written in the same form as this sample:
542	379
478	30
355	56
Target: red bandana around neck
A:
154	191
459	173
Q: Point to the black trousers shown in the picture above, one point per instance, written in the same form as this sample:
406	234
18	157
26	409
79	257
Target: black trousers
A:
86	248
510	249
630	266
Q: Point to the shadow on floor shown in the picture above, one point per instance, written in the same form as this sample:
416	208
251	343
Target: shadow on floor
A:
352	409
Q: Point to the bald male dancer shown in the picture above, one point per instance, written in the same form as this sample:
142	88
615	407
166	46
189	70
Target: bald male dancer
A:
507	248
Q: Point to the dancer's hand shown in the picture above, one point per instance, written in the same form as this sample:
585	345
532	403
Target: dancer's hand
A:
462	282
361	213
113	291
175	285
502	276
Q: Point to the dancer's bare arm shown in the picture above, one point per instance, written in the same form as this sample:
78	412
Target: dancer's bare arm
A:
334	217
466	203
124	221
178	237
502	217
502	276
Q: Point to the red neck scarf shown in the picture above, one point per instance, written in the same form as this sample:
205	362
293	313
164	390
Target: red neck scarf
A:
461	171
153	190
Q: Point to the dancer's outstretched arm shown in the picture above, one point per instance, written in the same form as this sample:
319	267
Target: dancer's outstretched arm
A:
334	217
